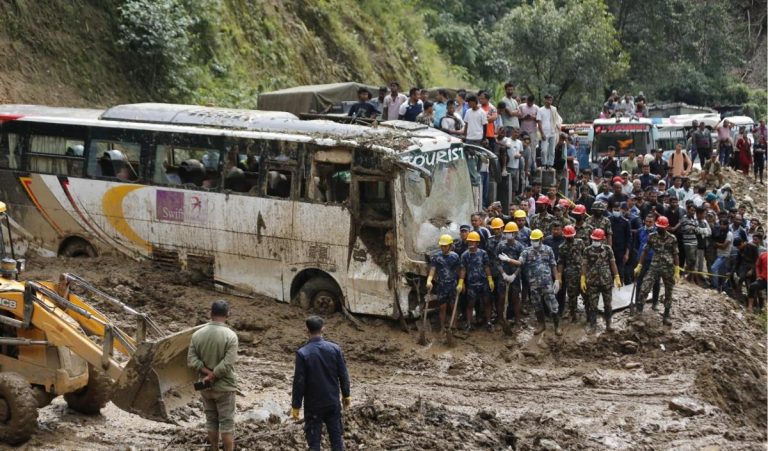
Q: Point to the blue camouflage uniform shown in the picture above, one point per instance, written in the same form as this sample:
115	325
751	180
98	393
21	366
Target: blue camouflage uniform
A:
446	275
493	257
513	251
524	236
538	264
475	279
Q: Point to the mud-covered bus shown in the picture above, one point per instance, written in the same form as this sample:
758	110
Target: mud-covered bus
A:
623	134
333	215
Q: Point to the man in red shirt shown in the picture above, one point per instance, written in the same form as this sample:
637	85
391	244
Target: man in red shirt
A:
760	284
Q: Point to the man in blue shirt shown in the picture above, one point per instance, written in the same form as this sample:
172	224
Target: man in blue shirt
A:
319	375
440	107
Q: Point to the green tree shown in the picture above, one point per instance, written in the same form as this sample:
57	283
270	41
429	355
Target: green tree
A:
549	49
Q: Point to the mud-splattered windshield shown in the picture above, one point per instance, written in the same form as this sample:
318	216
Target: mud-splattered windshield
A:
448	206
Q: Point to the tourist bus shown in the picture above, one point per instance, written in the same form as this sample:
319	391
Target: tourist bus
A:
332	215
623	134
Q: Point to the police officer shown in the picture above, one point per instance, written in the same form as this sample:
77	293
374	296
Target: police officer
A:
524	234
444	264
664	265
476	271
540	266
569	264
497	225
319	375
599	221
596	268
509	250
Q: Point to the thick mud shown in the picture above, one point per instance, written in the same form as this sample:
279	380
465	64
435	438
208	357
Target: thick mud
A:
700	383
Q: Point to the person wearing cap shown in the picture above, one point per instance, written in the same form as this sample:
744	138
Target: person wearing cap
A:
629	164
460	245
658	166
664	265
598	265
725	193
627	184
560	212
321	382
540	267
212	354
475	278
599	221
443	276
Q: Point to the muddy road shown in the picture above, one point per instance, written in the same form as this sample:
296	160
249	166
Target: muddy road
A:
700	384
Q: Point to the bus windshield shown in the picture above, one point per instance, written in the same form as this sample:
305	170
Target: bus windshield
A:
623	137
443	211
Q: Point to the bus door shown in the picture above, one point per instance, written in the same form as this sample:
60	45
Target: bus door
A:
372	257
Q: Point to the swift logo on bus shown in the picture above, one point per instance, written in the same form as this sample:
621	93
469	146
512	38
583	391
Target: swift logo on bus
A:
430	159
179	206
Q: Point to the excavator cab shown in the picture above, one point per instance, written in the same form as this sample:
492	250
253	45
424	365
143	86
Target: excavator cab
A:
55	341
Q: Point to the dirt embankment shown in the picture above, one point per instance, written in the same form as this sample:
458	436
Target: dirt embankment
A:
700	383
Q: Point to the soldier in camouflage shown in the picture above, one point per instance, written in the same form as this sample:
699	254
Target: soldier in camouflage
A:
444	269
599	221
664	265
538	262
509	250
560	213
542	220
476	271
597	266
569	264
583	230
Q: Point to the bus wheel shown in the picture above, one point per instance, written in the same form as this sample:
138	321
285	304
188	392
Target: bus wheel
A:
76	247
323	295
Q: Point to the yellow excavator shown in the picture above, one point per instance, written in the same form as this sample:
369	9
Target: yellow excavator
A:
53	341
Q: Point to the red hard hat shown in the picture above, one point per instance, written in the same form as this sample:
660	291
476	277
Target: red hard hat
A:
617	179
542	200
569	231
565	203
662	222
579	209
598	234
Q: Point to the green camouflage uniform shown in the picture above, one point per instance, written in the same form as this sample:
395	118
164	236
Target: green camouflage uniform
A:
583	232
600	223
570	255
543	221
599	277
662	266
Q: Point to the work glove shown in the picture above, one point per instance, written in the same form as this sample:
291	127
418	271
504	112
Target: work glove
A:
505	258
638	268
295	413
583	284
429	283
460	286
556	286
677	274
346	401
617	281
504	173
509	278
490	283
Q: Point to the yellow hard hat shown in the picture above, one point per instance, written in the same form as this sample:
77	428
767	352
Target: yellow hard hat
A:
497	223
537	234
511	227
519	214
474	236
445	240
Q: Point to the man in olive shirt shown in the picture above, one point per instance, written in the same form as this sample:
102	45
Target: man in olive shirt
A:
212	353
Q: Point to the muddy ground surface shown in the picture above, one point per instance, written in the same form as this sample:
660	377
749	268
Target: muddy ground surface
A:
699	384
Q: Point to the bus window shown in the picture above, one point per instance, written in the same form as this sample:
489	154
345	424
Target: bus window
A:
10	150
241	168
375	203
192	166
327	176
279	183
114	159
56	155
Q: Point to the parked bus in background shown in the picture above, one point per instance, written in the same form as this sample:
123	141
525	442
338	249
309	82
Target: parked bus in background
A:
623	134
330	214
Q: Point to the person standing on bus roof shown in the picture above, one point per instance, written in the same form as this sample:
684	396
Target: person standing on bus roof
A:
320	373
410	109
680	163
363	108
548	121
393	101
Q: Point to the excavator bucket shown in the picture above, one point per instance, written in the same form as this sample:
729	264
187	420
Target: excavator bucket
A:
157	380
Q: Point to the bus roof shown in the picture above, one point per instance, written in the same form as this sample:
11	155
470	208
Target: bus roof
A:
623	120
396	136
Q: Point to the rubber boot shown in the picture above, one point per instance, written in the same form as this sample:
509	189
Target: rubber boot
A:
541	324
556	320
667	321
592	319
608	327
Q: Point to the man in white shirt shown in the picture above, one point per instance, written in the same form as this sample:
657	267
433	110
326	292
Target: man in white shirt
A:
393	101
511	111
512	162
451	123
527	119
475	121
548	121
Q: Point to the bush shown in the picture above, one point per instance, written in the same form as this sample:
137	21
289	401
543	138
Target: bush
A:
155	35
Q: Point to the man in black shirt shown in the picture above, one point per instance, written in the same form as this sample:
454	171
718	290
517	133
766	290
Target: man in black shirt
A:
658	166
363	108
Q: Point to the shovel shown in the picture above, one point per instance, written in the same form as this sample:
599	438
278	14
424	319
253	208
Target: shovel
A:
504	324
449	334
423	334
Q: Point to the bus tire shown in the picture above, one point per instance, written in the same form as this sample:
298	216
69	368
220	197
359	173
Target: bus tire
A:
75	247
323	295
18	415
90	399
